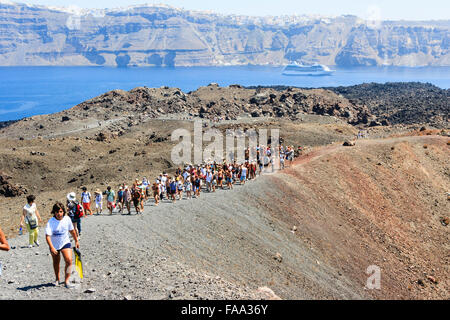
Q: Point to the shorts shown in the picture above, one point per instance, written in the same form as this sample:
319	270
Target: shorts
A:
136	202
111	204
243	178
66	246
99	205
86	206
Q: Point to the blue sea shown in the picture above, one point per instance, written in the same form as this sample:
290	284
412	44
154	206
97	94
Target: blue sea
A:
28	91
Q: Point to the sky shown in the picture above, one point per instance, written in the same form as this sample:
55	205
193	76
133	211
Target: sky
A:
367	9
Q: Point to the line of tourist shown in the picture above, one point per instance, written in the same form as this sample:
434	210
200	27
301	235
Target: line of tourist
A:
190	180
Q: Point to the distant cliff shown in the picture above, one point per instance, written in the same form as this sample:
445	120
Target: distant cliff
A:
166	36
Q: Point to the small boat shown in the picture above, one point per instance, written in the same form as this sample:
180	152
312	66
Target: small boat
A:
296	69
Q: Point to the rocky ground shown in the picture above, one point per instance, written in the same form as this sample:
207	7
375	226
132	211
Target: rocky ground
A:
406	103
116	112
53	166
308	232
379	202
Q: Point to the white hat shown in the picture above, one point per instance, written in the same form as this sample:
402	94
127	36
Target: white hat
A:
71	196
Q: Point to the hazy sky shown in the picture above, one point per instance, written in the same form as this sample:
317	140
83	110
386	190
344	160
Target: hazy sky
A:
383	9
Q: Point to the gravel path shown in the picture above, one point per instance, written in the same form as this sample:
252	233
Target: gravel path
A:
124	257
224	245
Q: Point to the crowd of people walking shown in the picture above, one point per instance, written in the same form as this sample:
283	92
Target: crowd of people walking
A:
188	182
185	183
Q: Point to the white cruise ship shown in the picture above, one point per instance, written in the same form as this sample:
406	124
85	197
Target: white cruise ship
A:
296	69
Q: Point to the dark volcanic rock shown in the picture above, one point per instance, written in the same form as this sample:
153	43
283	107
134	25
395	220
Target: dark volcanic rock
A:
348	143
368	104
406	103
102	137
214	102
9	190
4	124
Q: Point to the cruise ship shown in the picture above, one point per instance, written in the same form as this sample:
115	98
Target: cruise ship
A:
296	69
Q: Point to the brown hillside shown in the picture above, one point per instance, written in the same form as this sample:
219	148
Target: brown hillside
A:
379	203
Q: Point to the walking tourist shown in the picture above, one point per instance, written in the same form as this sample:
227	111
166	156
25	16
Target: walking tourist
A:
86	201
75	212
57	235
30	215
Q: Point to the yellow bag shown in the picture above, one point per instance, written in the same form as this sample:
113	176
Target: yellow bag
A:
78	263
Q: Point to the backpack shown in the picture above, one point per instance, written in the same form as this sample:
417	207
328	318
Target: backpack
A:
77	211
33	222
136	194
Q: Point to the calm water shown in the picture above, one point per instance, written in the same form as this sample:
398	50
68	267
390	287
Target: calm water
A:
27	91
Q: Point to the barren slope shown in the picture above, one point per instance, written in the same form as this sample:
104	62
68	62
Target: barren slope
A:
379	203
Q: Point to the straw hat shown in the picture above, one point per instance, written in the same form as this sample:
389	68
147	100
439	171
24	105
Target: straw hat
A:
97	191
71	196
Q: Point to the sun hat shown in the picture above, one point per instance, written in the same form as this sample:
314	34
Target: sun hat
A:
97	191
71	196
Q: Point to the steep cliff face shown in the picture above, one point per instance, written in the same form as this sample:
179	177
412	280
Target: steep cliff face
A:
165	36
395	44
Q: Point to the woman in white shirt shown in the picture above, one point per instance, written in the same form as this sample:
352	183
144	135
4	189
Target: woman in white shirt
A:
32	218
98	201
57	236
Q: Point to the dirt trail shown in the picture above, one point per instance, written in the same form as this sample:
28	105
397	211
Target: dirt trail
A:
350	212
